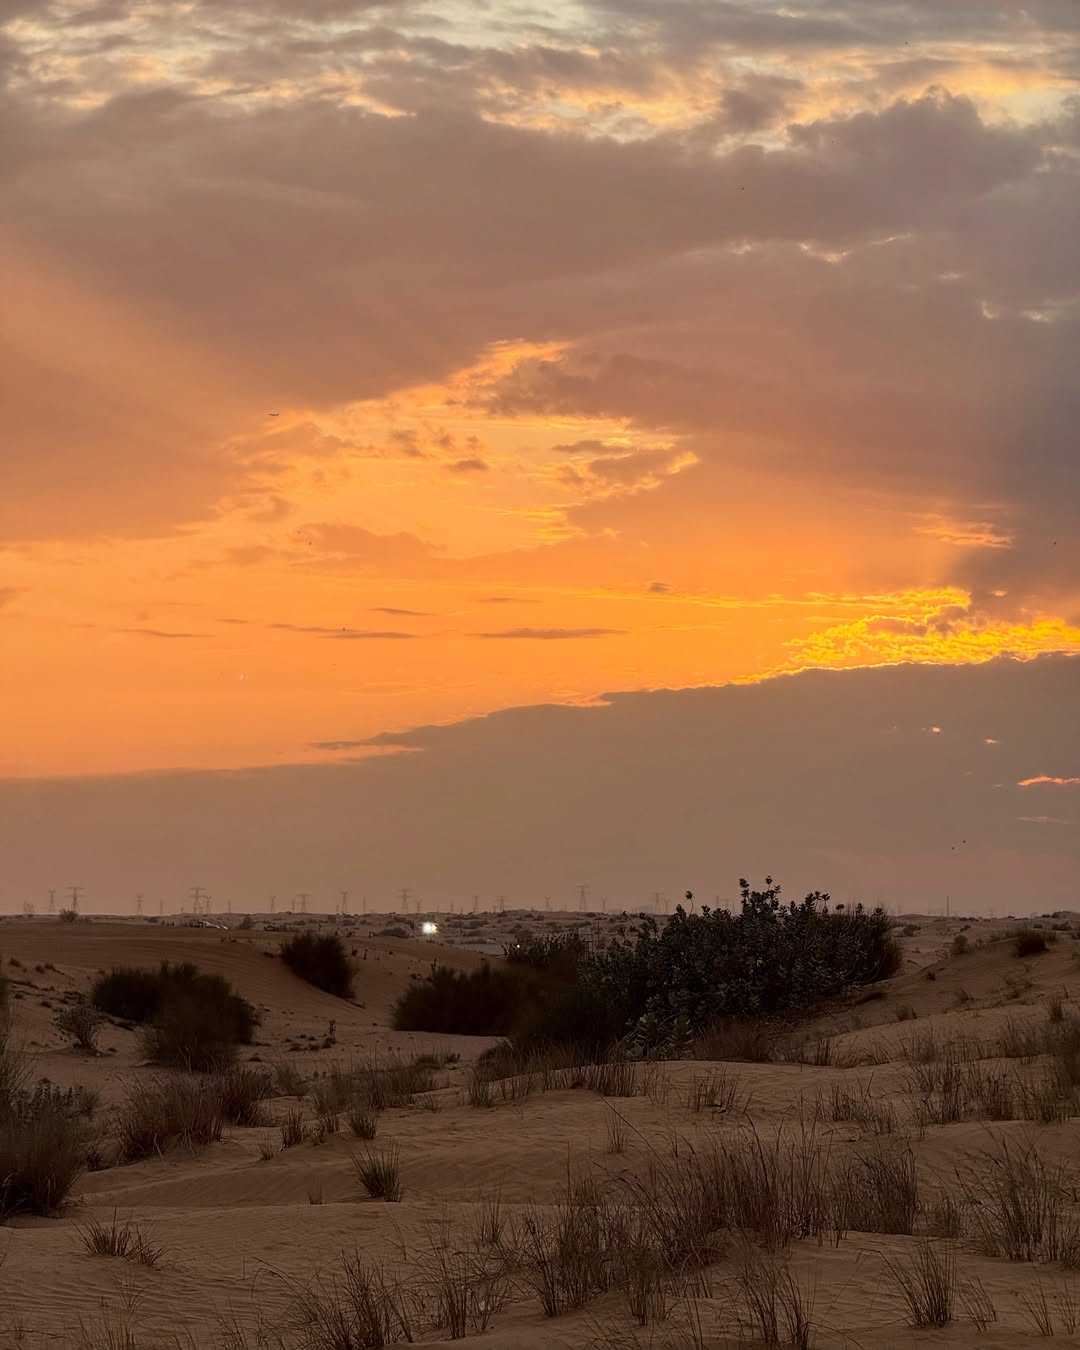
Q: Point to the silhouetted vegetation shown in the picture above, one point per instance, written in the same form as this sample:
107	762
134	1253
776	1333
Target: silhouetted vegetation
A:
41	1149
322	961
1029	941
659	985
195	1020
82	1022
482	1002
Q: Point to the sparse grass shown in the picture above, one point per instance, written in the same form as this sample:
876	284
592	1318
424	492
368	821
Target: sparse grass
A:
490	1217
927	1283
717	1091
1049	1316
242	1093
163	1113
126	1240
878	1193
291	1127
1021	1208
354	1307
362	1120
773	1306
288	1080
860	1108
466	1286
480	1088
976	1304
616	1132
379	1172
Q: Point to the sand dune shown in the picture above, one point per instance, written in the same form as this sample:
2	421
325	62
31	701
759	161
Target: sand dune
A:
240	1234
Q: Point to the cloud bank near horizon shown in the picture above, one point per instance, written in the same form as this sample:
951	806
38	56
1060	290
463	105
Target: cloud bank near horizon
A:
899	785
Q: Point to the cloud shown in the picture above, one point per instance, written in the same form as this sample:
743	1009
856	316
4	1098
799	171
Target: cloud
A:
1048	779
626	796
551	634
363	635
159	633
404	613
464	466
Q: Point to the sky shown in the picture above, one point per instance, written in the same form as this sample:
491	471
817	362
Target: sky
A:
430	429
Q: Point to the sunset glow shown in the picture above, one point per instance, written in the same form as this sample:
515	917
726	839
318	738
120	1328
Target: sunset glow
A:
378	366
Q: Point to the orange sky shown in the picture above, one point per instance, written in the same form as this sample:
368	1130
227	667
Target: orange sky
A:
366	368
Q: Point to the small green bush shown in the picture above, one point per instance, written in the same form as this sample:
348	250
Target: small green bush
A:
321	961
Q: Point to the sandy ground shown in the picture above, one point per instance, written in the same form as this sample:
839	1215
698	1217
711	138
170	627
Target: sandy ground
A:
240	1234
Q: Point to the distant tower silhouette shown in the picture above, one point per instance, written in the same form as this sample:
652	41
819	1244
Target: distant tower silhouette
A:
138	905
52	901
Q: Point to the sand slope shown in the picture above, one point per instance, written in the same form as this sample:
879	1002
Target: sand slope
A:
239	1233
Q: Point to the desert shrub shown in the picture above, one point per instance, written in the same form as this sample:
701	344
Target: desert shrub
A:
659	987
960	945
557	954
69	916
768	960
1028	941
164	1113
82	1022
321	961
188	1034
241	1094
41	1149
130	993
196	1020
246	923
483	1002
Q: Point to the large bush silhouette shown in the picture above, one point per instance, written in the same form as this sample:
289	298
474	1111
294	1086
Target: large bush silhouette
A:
193	1020
661	982
322	961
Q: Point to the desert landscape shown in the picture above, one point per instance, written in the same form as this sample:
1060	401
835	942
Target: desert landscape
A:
898	1170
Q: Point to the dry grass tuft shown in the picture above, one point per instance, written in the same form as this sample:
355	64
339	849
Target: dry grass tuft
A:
379	1172
927	1283
126	1240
